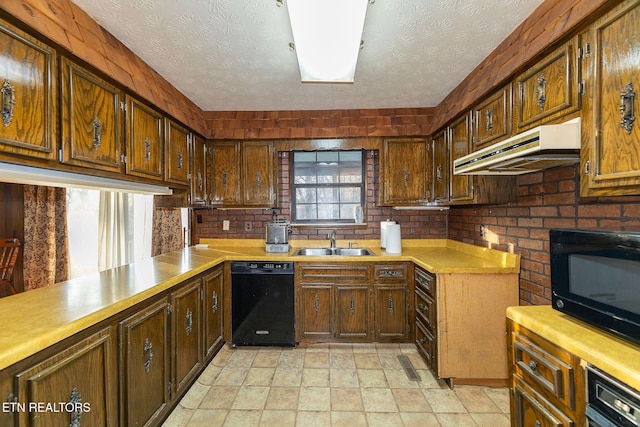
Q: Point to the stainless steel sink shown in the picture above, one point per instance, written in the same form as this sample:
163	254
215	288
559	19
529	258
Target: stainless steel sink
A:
333	252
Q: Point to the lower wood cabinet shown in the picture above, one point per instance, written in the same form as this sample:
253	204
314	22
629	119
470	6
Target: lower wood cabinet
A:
75	386
352	302
546	381
213	287
144	365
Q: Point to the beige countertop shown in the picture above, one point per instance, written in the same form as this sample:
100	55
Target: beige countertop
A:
36	319
616	356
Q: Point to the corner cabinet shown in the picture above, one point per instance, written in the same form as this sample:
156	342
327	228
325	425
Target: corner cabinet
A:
243	174
91	120
610	154
28	95
405	172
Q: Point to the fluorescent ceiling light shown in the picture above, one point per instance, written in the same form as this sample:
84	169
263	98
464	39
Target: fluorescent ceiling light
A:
18	174
327	36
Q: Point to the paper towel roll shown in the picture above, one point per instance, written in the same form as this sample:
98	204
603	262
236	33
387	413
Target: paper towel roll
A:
383	232
394	239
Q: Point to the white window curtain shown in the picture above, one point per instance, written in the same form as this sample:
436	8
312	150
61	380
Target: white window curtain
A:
115	230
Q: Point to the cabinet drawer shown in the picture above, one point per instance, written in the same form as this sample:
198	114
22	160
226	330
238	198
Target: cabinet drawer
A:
534	410
426	343
425	282
390	271
426	309
336	272
545	366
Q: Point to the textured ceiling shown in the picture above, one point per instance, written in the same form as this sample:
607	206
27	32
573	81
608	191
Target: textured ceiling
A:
233	55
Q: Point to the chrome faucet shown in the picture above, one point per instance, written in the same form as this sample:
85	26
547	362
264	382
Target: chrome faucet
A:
332	239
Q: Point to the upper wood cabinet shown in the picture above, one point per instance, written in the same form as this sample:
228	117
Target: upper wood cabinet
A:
199	154
145	141
492	119
461	186
176	160
548	91
441	166
91	120
242	173
405	171
28	95
610	154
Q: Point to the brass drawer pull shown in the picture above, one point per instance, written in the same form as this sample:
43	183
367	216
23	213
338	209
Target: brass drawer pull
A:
189	323
214	299
627	97
147	150
97	133
390	304
423	307
8	102
533	366
76	403
423	340
353	304
316	305
147	349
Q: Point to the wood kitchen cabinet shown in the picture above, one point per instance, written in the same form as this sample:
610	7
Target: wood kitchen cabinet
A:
547	382
145	141
405	172
315	311
225	173
548	91
213	301
145	388
352	311
610	152
176	159
199	155
186	334
425	308
28	95
440	150
91	120
391	301
460	186
492	119
82	375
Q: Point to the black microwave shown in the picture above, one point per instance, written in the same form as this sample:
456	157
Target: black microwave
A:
595	277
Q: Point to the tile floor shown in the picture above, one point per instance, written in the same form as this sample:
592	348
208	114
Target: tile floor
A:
332	385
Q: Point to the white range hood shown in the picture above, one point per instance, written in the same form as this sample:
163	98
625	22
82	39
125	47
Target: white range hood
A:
536	149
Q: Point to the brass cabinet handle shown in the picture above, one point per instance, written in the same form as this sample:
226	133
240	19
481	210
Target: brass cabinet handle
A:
423	307
541	91
317	303
224	178
8	102
75	402
390	304
423	340
200	181
406	176
353	304
439	172
214	299
147	349
189	323
97	133
180	161
258	180
627	97
147	150
489	121
533	366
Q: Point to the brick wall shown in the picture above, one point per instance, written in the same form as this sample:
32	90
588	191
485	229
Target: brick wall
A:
415	224
318	124
547	199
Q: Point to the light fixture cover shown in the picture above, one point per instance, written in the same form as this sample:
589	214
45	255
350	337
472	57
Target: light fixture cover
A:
327	35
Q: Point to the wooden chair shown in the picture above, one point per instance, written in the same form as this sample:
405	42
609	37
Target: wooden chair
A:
9	249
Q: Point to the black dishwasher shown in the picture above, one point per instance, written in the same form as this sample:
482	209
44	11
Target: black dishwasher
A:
262	303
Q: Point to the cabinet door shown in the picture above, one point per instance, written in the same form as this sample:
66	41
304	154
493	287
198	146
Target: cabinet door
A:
405	172
531	409
225	173
91	120
258	174
441	167
492	119
186	334
198	171
610	154
352	311
461	186
144	365
548	91
391	312
177	142
145	141
28	95
315	311
81	377
213	285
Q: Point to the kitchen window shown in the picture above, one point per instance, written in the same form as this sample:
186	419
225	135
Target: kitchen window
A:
328	186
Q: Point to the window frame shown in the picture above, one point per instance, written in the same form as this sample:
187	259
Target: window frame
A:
294	186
